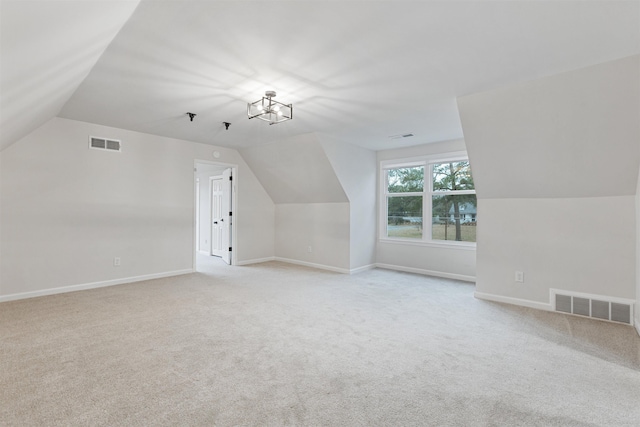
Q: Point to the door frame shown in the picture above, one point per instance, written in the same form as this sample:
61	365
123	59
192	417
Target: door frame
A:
234	208
197	217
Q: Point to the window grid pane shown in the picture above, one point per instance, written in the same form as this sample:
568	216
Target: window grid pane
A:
454	217
405	180
404	217
451	176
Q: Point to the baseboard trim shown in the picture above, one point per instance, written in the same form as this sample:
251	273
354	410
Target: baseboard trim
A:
514	301
427	272
256	260
313	265
637	325
310	264
204	253
363	268
93	285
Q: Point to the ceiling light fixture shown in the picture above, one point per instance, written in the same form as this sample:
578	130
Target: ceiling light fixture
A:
269	110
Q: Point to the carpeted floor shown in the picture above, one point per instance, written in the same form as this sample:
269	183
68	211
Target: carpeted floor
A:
276	344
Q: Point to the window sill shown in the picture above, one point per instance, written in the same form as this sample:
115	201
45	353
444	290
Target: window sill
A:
464	246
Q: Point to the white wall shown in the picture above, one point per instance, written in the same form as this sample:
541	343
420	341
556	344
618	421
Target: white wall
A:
67	210
325	197
555	164
356	169
575	244
451	262
312	208
323	226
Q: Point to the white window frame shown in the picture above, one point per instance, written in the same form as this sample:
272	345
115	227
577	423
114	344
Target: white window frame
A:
427	195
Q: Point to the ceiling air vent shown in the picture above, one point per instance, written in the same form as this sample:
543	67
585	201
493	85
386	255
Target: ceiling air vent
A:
104	144
594	306
403	135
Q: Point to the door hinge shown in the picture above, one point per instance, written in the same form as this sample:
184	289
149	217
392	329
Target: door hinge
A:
230	213
231	178
229	248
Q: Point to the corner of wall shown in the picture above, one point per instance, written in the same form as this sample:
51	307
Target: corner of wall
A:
637	258
355	168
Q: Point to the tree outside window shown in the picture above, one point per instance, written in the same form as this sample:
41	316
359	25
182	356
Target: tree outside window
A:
454	202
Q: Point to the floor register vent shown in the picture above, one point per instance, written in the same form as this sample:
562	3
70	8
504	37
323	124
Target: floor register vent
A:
594	306
104	144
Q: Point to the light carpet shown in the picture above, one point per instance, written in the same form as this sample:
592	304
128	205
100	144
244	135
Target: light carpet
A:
276	344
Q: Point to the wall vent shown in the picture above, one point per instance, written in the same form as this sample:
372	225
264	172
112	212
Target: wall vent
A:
105	144
594	306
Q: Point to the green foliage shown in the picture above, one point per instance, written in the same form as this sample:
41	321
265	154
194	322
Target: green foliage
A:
452	176
406	180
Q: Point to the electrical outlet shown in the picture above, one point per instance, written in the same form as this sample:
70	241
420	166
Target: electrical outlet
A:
116	261
309	249
519	276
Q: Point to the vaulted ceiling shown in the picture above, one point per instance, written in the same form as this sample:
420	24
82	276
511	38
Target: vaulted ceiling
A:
358	71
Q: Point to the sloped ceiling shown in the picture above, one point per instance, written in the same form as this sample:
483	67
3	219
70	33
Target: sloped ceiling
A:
575	134
358	71
47	50
296	170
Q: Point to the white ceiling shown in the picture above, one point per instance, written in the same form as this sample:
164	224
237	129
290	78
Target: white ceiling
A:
358	71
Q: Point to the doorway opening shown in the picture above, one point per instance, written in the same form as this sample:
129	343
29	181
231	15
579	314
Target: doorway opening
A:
214	222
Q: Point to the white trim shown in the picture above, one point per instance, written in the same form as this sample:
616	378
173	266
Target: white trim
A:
93	285
309	264
427	272
445	244
363	268
201	252
424	159
637	325
514	301
313	265
255	261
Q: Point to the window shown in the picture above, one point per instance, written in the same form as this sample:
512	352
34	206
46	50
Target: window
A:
442	208
405	188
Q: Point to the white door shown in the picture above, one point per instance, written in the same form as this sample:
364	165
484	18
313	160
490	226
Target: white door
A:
221	216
